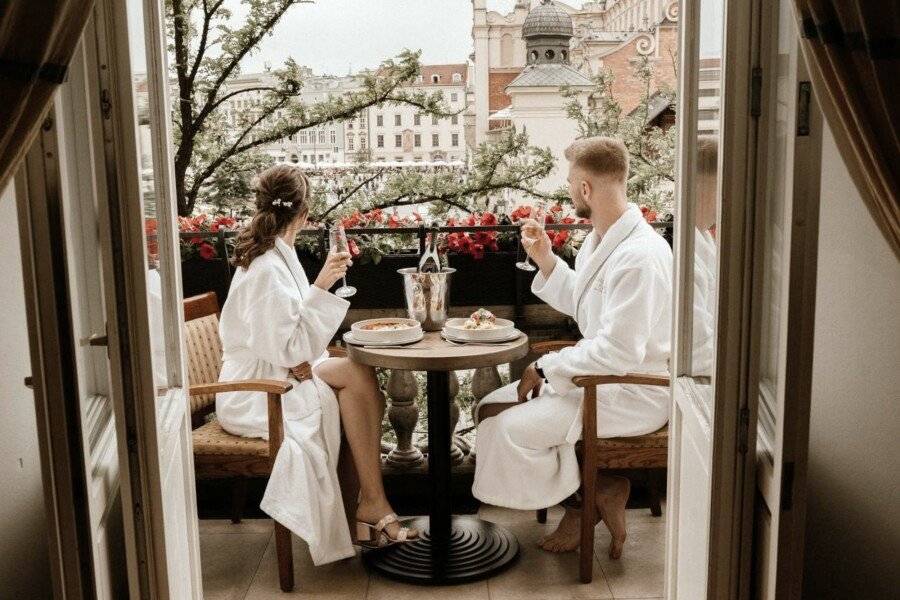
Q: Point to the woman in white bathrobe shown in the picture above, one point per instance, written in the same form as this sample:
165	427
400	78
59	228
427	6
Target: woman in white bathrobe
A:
275	325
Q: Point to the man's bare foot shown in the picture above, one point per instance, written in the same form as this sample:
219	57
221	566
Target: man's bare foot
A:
567	535
372	512
611	501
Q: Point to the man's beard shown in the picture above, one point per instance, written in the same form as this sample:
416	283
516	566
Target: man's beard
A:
582	210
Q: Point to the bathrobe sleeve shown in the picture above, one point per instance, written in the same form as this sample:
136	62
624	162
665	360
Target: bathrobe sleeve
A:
635	293
290	329
558	289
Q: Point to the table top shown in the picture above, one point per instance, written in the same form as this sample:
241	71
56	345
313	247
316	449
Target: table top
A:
433	353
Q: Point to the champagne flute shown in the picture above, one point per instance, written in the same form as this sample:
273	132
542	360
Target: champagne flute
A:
537	213
338	242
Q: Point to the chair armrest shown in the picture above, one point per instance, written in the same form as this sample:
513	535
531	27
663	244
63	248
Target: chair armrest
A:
635	378
539	349
270	386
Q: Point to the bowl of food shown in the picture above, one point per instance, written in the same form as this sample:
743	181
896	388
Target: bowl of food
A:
388	330
481	326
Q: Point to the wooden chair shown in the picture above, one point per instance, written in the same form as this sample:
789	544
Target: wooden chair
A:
217	453
639	452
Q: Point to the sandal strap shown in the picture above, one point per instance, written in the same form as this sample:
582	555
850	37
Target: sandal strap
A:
403	534
385	521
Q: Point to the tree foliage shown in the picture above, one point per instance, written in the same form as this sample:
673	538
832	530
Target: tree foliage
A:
207	48
651	147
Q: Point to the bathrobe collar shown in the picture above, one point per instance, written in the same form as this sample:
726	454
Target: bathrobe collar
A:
598	252
289	255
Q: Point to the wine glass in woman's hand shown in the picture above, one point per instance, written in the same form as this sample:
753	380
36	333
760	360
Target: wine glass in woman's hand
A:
338	243
533	232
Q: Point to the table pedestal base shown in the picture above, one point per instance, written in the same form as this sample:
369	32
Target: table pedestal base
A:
477	550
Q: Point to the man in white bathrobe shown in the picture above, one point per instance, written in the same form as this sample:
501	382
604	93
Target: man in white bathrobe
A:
620	295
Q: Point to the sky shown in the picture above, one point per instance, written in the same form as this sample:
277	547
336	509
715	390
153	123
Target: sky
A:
337	36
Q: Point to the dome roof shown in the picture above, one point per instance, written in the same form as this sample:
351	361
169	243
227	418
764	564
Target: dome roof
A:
546	19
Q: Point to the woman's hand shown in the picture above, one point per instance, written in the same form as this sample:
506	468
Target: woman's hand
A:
334	268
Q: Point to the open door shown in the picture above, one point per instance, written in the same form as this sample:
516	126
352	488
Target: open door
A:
710	465
143	296
785	250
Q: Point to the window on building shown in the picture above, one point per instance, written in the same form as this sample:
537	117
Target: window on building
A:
435	140
417	140
322	136
379	120
305	158
294	158
435	78
549	54
398	158
417	119
350	142
304	137
398	140
320	158
381	141
398	120
350	125
419	78
457	77
454	97
454	139
333	136
454	120
434	120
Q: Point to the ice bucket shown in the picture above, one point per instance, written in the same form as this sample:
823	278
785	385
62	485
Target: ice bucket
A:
427	296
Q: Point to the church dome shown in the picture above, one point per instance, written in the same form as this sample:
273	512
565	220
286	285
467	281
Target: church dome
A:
546	19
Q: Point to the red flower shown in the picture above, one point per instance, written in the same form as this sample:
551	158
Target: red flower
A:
548	219
470	221
522	212
568	220
196	241
354	249
394	221
488	218
560	238
207	251
556	208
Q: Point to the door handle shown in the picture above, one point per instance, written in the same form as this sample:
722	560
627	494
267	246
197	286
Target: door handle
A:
97	339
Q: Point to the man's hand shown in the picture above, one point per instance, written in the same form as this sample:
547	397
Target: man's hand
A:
531	383
334	268
537	244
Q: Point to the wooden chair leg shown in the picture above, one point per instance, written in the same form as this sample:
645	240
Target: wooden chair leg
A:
541	514
238	499
589	486
285	555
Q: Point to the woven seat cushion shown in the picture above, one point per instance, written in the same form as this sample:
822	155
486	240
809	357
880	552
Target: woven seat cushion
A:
210	439
657	439
204	354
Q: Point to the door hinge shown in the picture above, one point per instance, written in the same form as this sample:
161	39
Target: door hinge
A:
756	92
105	103
787	486
743	430
804	95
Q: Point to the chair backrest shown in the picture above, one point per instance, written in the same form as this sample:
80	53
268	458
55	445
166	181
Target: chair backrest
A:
204	348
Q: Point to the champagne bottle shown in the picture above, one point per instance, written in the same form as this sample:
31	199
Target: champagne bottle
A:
430	262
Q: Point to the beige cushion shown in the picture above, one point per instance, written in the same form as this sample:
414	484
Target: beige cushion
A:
204	351
211	439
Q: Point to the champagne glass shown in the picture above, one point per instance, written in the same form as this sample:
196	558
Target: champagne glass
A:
537	213
338	242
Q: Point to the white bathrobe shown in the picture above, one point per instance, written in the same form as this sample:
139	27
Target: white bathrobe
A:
620	294
704	317
274	320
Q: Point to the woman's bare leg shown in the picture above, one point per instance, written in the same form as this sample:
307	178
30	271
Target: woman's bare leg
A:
362	410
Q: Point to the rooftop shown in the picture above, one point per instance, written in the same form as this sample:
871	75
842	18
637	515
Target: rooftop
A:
549	74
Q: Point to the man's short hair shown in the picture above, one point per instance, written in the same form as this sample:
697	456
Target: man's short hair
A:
600	155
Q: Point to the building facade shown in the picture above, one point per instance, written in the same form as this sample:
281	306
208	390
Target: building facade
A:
400	134
605	34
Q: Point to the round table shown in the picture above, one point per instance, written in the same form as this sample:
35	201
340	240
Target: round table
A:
450	549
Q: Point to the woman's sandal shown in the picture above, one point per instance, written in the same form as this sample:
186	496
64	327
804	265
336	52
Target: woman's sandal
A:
374	536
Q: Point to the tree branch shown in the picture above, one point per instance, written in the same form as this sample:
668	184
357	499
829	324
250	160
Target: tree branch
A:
347	196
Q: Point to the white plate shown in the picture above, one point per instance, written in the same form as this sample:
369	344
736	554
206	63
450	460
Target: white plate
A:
350	339
386	336
456	328
514	335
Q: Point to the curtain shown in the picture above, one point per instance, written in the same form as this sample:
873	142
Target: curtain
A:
37	39
853	53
